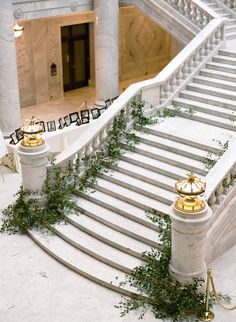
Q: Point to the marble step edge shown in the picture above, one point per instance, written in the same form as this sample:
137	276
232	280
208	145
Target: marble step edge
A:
131	198
215	74
212	91
110	280
230	35
123	238
173	161
152	177
152	130
96	213
105	200
208	108
119	258
224	59
228	52
211	120
166	144
135	198
215	83
137	185
205	98
155	165
221	67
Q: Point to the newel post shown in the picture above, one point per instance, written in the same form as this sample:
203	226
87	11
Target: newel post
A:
190	215
33	153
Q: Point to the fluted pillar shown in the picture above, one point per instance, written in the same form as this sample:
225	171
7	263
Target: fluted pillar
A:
106	49
9	91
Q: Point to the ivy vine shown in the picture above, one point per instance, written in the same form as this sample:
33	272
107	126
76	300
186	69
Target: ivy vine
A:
212	157
160	294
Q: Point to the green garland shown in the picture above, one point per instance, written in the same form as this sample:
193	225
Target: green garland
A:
160	294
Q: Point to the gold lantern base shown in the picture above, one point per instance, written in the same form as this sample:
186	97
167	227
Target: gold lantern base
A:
207	316
32	142
189	205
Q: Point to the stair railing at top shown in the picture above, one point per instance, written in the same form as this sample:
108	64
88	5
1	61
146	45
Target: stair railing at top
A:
229	3
195	11
156	91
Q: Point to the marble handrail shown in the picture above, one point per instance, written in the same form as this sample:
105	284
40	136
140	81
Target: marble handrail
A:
231	4
221	176
202	45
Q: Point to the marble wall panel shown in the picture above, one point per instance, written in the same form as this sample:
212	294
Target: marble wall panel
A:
145	48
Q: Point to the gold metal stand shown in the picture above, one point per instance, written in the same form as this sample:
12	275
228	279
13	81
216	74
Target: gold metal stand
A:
207	315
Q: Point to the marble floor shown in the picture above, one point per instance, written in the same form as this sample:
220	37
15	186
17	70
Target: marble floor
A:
71	102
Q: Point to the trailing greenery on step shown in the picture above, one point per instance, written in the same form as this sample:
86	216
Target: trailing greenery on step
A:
212	157
45	208
160	294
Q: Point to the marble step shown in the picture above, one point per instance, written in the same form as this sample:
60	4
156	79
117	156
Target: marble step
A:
220	11
133	198
136	185
97	249
212	5
172	146
224	84
206	108
231	21
210	90
209	99
224	59
124	208
145	175
211	120
154	165
221	67
81	263
112	237
171	158
145	196
122	224
231	35
230	28
225	15
218	75
180	138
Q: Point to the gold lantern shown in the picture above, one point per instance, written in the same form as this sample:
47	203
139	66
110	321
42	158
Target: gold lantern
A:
189	190
32	133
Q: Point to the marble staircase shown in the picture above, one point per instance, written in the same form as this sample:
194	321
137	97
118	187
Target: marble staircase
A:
224	12
111	233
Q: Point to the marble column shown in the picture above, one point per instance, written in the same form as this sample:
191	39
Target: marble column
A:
106	49
9	90
189	237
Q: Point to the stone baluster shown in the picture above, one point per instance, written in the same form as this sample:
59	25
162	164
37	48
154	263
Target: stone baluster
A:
212	200
226	183
196	58
163	94
185	70
219	193
194	14
80	161
207	46
188	10
212	41
200	19
175	3
172	83
96	143
103	135
89	149
178	76
182	7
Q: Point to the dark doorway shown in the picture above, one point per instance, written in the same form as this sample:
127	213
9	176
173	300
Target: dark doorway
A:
75	56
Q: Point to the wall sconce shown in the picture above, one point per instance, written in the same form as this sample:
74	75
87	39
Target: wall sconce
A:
18	30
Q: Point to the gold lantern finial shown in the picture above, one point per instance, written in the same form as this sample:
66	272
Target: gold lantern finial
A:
189	190
32	133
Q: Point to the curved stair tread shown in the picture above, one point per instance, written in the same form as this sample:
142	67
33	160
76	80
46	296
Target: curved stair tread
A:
96	248
137	185
154	165
213	91
210	109
149	176
123	205
82	263
170	131
172	158
169	145
220	66
218	83
211	73
112	237
135	198
118	222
